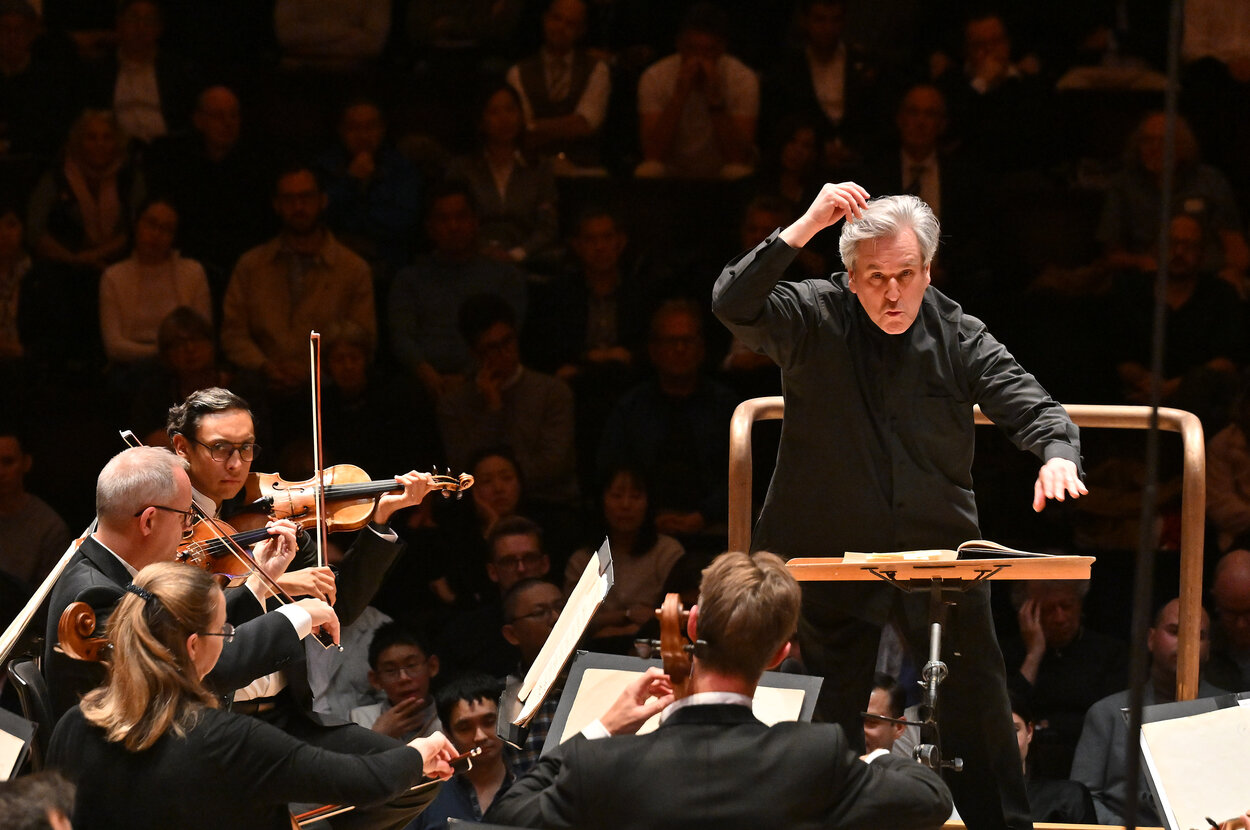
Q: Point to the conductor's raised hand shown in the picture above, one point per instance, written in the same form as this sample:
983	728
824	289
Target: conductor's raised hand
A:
645	695
1057	479
834	203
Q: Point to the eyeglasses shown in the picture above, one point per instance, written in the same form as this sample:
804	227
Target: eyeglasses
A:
542	612
188	516
226	633
411	669
222	450
515	563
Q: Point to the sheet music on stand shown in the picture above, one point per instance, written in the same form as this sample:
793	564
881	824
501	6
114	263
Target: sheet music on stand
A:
16	735
520	701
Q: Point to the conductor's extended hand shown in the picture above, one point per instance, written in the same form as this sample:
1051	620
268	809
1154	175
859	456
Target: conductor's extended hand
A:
1057	477
646	695
834	202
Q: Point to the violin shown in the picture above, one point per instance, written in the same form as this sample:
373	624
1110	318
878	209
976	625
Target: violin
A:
676	650
215	547
74	631
350	497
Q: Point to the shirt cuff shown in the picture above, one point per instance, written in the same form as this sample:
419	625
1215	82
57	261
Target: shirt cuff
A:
300	619
595	730
385	531
875	754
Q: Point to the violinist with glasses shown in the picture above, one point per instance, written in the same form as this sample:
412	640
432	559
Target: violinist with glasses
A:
151	748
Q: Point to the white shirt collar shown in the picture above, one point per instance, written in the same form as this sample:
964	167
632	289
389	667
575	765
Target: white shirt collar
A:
706	699
130	569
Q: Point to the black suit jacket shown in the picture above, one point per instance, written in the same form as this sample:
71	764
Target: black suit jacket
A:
717	766
263	643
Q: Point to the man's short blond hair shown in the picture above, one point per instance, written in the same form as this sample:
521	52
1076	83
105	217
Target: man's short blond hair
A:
748	608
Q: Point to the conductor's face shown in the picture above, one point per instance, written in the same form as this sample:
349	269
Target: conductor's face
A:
890	279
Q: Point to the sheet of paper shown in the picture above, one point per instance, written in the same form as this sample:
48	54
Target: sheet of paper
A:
1199	764
11	748
601	687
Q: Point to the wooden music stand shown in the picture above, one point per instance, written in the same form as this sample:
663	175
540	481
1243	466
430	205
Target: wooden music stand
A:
939	577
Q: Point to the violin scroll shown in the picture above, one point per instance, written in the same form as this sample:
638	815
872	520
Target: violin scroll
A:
75	632
449	484
676	650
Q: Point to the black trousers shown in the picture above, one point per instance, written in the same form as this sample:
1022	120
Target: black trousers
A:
974	714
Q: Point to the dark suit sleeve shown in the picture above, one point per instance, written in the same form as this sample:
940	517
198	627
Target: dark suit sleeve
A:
542	797
892	792
260	647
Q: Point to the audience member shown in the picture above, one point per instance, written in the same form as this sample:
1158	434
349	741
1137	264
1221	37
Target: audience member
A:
1059	666
515	196
564	92
673	427
1100	762
147	87
1204	330
339	680
475	640
330	36
39	91
303	280
1230	646
469	708
14	266
401	667
32	536
791	169
1050	799
509	404
886	701
217	179
531	608
374	191
1129	225
829	83
698	108
641	560
39	801
136	294
426	298
1228	475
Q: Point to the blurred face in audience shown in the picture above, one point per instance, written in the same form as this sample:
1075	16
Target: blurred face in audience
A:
139	29
702	46
497	350
1231	593
676	345
404	672
798	154
599	244
1185	247
472	723
823	25
299	202
1060	608
14	465
515	557
496	486
17	35
362	129
217	118
155	230
349	366
921	120
880	734
98	143
452	226
1024	735
1150	142
537	609
10	236
563	24
757	225
986	41
501	118
624	503
1163	640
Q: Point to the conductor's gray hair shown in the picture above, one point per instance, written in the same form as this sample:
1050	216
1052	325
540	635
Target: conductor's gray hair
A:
134	479
884	218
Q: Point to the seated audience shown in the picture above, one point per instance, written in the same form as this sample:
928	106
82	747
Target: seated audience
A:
1229	667
1050	799
1228	475
564	92
511	405
531	608
697	108
714	757
217	178
673	427
330	36
641	561
886	701
39	89
1129	226
515	196
303	280
401	667
32	536
135	739
469	706
374	191
791	169
14	266
1059	666
136	294
426	298
147	87
1099	762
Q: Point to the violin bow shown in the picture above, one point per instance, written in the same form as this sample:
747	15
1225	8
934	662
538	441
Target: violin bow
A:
314	358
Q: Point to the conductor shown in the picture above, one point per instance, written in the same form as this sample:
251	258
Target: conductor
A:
880	374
